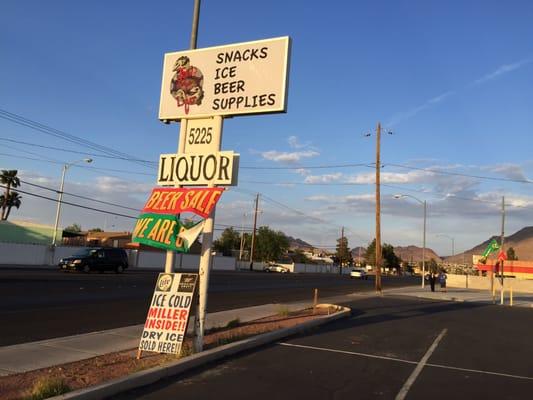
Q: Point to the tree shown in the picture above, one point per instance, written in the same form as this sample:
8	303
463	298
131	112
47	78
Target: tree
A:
96	230
9	179
73	228
13	200
227	242
511	254
433	267
343	254
270	245
388	257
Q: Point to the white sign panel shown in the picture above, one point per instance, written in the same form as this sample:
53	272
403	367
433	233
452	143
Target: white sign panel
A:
168	315
242	78
202	134
219	168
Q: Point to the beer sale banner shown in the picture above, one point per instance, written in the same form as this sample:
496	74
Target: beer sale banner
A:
200	201
166	232
168	315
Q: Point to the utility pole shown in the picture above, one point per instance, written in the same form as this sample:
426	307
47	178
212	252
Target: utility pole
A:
502	239
378	210
253	233
424	247
341	250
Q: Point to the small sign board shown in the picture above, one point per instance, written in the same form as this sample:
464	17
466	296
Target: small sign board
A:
168	315
242	78
201	136
200	201
219	168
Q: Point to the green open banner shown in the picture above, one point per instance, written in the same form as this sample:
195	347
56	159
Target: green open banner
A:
166	232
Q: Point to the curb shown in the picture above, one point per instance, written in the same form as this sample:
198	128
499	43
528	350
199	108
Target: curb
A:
155	374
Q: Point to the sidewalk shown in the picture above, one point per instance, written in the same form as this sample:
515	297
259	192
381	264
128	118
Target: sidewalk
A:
463	295
47	353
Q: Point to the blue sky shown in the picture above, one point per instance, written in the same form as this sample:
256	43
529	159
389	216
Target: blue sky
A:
451	79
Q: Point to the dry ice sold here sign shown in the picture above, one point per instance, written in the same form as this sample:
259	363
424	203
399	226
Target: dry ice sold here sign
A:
243	78
168	315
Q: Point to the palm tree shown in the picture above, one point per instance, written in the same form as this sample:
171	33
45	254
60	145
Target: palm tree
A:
9	179
14	200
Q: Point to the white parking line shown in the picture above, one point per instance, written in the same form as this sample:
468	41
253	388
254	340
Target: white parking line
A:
412	378
353	353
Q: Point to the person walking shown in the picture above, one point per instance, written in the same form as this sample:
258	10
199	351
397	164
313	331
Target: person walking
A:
432	281
442	280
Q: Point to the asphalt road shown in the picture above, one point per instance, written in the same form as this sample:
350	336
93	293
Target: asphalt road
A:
471	352
39	304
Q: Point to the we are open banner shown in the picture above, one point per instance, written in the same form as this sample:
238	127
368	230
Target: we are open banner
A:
166	232
177	200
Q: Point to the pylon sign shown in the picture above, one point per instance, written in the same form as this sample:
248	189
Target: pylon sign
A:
242	78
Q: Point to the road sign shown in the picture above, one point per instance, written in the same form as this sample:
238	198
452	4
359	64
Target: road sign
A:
168	315
220	168
202	136
242	78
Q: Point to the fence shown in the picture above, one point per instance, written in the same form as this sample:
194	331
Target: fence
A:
41	255
483	283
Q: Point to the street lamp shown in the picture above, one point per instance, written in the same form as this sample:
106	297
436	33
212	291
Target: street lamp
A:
399	196
58	212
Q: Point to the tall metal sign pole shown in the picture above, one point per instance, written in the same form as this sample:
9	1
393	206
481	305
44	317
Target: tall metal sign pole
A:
199	88
378	210
502	240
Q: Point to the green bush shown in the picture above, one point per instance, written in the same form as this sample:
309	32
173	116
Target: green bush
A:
48	387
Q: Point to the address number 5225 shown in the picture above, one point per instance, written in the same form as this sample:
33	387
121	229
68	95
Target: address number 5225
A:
200	135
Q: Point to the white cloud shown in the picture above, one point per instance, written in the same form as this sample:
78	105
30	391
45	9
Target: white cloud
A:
404	115
326	178
511	171
501	70
288	157
295	143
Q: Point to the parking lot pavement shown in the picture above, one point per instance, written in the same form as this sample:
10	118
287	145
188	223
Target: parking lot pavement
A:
391	348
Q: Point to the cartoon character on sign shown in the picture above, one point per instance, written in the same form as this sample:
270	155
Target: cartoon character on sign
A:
186	84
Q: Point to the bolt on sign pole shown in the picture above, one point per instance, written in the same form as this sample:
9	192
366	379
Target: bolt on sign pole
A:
378	210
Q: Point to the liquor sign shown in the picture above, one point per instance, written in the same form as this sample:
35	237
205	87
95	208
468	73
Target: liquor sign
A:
168	315
165	232
200	201
220	168
242	78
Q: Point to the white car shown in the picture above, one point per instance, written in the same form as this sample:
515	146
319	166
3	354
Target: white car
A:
276	268
358	273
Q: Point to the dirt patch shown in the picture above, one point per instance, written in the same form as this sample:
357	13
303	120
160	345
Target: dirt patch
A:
103	368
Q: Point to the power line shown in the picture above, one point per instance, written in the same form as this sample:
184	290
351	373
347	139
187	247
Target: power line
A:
77	165
441	172
80	196
73	204
69	150
23	121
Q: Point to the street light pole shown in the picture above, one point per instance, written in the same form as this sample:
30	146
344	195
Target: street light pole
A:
424	203
60	199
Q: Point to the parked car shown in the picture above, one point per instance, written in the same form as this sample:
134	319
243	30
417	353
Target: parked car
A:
276	268
96	259
358	273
